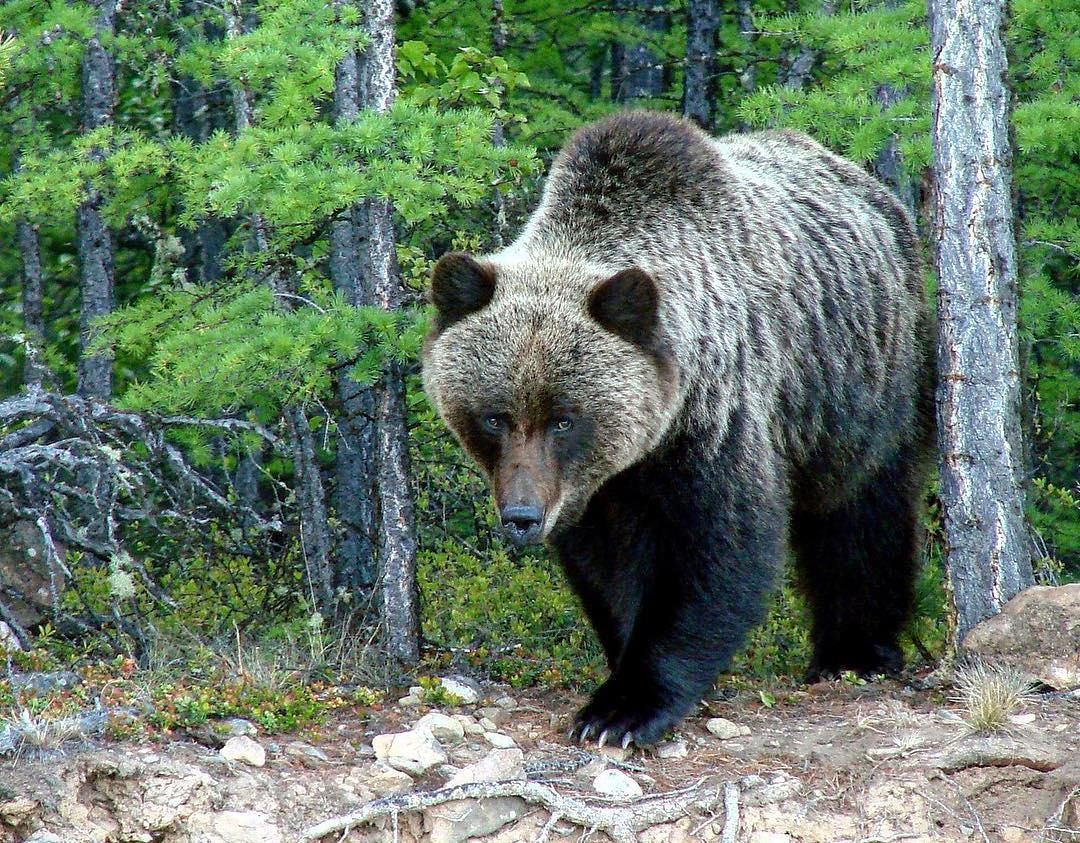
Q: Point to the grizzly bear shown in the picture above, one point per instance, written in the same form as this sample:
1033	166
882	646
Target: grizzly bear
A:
699	355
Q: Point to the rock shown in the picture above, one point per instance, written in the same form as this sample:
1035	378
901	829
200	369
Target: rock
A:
15	811
616	785
488	725
413	752
725	729
233	827
39	684
245	750
499	765
496	715
499	740
447	730
462	687
672	749
462	819
44	836
215	733
383	780
469	724
306	754
9	642
410	700
29	585
1030	749
1037	633
506	702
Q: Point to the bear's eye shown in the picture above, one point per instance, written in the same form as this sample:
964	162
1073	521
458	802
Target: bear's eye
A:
494	423
563	424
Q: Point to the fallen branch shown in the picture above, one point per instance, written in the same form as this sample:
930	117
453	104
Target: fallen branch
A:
621	822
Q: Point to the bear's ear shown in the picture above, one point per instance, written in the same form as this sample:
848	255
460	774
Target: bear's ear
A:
460	285
627	304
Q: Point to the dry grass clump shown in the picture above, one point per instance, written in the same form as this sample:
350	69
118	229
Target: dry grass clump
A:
990	695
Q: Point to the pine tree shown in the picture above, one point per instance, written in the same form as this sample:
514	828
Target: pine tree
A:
988	553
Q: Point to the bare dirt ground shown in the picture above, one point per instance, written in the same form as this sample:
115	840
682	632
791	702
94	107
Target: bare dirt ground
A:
826	763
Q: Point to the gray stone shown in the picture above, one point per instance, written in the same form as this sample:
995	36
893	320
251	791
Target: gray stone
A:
245	750
306	754
234	827
499	740
725	729
38	684
499	765
1037	633
615	784
413	752
462	687
462	819
672	749
496	715
384	780
9	642
447	730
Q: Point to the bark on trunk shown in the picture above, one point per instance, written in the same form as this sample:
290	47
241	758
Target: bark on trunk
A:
498	138
94	242
355	464
310	492
192	110
33	298
397	528
699	82
988	553
800	67
637	71
889	163
748	77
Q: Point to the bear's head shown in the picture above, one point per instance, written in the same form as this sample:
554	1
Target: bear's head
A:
552	374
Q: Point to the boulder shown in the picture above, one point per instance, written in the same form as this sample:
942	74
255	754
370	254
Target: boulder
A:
499	765
616	785
1037	633
413	752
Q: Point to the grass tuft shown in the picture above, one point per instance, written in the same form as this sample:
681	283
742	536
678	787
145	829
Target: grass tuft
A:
990	695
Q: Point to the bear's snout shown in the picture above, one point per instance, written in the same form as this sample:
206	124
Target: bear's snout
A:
522	524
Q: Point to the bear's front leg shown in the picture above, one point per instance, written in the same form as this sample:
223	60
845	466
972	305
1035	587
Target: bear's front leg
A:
719	544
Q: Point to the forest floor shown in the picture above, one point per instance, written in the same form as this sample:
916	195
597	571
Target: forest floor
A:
825	763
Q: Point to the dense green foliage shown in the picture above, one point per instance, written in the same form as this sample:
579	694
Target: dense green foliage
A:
226	348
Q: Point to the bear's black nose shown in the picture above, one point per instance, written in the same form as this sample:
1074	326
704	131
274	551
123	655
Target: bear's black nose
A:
522	524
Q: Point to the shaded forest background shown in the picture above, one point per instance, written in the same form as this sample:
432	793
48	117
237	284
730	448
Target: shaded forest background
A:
196	249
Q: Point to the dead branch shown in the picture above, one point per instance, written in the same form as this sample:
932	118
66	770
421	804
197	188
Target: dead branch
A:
621	822
77	474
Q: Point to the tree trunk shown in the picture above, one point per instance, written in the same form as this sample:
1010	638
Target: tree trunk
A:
800	67
355	465
94	241
192	109
397	527
987	545
498	137
699	82
310	492
889	163
33	298
748	77
637	72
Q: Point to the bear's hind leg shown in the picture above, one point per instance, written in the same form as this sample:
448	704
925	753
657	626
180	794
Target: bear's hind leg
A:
857	566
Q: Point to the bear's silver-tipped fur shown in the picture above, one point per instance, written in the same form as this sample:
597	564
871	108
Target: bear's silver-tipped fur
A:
698	354
788	289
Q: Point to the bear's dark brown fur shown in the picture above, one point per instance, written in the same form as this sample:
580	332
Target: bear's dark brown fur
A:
698	355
